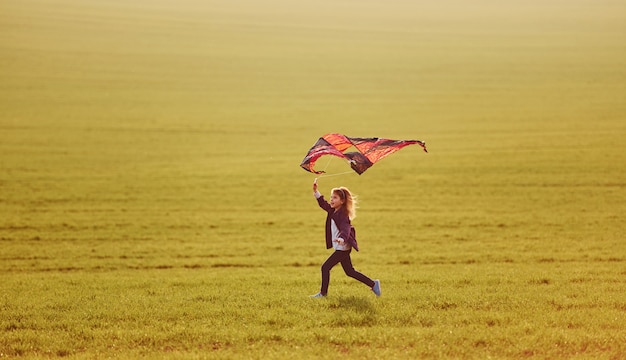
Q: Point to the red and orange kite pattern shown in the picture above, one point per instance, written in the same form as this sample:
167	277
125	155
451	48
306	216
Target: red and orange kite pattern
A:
370	150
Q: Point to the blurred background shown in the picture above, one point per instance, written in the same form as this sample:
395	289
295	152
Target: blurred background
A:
136	119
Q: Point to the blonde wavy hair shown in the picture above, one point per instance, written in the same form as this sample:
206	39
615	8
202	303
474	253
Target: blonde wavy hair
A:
349	201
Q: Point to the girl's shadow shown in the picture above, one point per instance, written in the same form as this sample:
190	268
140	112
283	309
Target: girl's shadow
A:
357	304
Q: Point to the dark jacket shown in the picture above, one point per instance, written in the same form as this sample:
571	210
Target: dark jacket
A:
346	230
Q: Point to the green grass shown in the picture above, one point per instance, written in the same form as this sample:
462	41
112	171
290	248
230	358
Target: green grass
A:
151	203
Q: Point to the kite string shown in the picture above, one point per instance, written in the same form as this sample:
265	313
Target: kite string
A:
327	163
329	175
330	158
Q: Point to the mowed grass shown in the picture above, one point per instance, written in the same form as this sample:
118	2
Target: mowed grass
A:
151	203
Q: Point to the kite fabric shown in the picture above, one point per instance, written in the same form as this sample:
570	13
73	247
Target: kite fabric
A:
370	150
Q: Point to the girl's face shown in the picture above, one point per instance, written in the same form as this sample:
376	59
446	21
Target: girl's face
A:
335	201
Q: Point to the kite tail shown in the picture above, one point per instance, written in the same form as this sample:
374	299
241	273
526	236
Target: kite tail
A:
423	145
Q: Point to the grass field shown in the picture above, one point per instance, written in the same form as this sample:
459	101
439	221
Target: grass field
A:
151	202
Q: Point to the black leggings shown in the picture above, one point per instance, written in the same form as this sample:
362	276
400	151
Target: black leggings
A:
342	257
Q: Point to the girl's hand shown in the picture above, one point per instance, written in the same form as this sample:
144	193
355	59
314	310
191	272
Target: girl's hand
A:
339	241
315	185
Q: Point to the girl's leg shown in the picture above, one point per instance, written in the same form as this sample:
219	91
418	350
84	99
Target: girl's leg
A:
332	260
346	263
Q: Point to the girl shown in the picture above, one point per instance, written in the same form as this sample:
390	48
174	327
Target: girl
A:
340	235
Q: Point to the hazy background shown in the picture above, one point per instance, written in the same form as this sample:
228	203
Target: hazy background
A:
204	100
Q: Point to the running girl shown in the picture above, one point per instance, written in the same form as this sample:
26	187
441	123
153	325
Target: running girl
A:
340	235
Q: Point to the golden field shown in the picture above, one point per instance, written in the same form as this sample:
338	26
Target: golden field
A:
151	202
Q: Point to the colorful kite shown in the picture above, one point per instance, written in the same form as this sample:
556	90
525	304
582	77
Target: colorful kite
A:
370	150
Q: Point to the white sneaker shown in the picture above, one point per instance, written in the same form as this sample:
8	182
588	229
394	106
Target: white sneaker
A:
317	296
376	288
